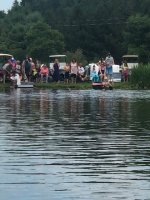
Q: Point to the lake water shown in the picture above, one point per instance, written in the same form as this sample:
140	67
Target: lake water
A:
74	145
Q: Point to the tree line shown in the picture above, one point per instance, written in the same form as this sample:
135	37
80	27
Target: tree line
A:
83	28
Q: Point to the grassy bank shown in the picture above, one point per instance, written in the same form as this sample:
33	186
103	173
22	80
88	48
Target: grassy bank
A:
77	86
61	85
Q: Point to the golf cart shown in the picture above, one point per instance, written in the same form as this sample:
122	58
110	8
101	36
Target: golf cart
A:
62	62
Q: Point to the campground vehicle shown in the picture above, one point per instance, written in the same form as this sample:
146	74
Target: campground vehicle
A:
62	62
4	58
102	86
132	60
116	76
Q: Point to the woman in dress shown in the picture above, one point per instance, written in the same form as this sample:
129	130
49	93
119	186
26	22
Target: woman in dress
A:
56	75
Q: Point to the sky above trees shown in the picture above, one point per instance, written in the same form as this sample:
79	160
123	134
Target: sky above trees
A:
6	4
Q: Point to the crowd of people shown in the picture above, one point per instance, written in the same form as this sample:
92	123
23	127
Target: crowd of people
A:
105	70
28	70
32	71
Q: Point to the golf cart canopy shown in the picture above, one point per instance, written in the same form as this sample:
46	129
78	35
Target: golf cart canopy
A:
57	56
5	55
130	56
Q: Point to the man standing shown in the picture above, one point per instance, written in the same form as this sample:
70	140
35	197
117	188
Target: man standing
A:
26	68
109	63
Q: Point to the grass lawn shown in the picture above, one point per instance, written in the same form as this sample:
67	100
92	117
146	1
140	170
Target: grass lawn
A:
77	86
61	85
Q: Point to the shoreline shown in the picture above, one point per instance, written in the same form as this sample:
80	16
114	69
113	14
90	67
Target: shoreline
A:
81	85
77	86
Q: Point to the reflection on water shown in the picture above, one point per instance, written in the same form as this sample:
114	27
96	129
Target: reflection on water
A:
75	145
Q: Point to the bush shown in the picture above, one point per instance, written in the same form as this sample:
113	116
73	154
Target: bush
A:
140	76
78	55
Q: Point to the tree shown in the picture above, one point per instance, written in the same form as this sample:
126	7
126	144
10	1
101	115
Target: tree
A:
137	36
95	26
43	41
78	55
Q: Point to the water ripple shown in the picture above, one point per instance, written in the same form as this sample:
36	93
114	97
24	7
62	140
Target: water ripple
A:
75	145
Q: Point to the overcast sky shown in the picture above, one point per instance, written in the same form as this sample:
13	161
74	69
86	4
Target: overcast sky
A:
6	4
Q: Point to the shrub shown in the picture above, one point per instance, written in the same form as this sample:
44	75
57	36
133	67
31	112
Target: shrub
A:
140	76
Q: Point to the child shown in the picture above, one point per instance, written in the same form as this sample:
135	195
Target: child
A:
94	75
107	83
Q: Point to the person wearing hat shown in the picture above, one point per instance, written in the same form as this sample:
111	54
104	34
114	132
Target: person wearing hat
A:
12	62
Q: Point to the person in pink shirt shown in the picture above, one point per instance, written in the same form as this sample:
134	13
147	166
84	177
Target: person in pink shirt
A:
74	70
44	72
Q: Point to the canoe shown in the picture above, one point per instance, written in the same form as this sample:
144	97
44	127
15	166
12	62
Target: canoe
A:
25	85
101	86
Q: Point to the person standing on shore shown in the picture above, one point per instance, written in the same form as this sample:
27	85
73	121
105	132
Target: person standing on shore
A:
26	69
67	71
56	74
109	61
74	70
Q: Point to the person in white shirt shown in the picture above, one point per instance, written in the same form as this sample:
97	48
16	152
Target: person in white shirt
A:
15	78
81	72
109	61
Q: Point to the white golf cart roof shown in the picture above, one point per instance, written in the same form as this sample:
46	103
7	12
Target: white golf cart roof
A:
5	54
130	56
55	56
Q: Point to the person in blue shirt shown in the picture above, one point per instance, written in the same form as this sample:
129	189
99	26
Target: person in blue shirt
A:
94	75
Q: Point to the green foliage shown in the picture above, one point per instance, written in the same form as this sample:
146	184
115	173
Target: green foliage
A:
29	34
96	27
78	55
137	36
43	41
140	76
53	85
